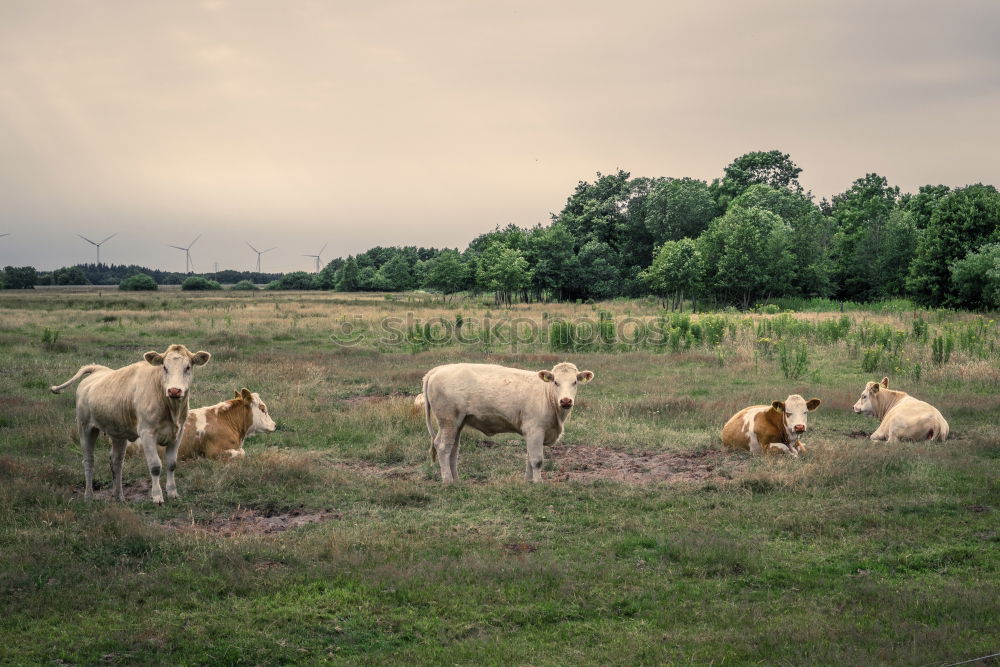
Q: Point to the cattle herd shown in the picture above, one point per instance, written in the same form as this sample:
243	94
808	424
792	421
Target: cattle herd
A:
144	406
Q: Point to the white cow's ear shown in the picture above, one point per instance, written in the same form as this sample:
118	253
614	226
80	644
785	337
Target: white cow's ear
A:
155	358
584	376
875	387
246	395
812	404
546	376
778	406
885	382
200	358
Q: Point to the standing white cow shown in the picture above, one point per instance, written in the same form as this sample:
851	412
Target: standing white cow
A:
903	417
147	400
495	399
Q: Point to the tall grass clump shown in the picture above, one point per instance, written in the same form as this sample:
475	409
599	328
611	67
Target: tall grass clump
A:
794	361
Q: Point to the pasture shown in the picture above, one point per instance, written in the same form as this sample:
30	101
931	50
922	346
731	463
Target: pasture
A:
335	542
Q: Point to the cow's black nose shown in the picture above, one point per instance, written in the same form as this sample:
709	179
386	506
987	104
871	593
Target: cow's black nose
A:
566	402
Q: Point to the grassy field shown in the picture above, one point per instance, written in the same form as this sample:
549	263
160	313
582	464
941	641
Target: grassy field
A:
333	542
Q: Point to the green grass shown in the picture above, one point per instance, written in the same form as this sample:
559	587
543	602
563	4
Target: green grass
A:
859	553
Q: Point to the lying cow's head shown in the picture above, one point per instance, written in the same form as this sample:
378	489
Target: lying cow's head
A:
177	362
262	422
866	404
796	410
565	378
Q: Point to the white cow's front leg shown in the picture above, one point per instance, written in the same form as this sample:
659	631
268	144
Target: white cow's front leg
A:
444	442
784	448
148	441
754	444
170	461
536	450
117	455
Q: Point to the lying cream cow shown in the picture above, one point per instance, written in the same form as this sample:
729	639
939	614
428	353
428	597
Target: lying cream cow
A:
770	428
218	431
494	399
903	417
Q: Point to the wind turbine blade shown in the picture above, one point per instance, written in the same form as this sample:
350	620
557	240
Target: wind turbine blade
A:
7	234
252	248
195	241
86	239
268	250
174	246
322	249
113	235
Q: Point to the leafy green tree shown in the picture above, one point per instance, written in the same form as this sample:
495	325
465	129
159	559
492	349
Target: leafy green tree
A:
244	286
862	217
348	279
69	275
397	273
963	221
550	254
370	280
810	236
746	256
140	282
921	205
677	269
20	277
678	208
447	273
772	168
976	279
503	271
199	283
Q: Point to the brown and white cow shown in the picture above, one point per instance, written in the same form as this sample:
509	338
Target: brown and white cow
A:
218	431
903	417
495	399
147	400
770	428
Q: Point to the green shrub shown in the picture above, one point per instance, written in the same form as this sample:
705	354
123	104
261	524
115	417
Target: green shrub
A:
794	362
140	282
199	284
245	286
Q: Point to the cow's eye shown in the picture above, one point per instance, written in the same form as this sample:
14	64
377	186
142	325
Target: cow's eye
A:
555	383
574	383
187	369
263	409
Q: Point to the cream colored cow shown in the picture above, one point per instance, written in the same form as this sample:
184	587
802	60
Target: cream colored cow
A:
903	417
494	399
146	401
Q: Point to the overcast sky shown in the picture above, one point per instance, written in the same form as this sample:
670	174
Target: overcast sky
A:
293	124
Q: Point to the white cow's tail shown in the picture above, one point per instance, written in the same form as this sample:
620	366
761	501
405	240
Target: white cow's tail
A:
427	416
84	370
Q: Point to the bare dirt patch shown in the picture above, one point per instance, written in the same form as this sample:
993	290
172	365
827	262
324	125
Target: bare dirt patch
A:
375	398
858	434
251	521
587	464
376	470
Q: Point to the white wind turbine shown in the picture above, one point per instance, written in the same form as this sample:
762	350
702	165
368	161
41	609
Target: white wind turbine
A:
97	244
188	264
259	253
317	255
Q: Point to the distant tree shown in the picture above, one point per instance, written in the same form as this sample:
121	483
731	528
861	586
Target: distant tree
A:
397	273
370	280
975	279
677	269
862	217
746	256
679	208
19	277
69	275
599	275
347	279
296	280
772	168
199	284
447	273
963	221
810	236
503	271
140	282
244	286
921	205
550	254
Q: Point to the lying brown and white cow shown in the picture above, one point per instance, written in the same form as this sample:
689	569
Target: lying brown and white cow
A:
770	428
218	431
147	400
903	417
495	399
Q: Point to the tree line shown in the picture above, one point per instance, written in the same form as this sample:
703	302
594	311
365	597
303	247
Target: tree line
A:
751	235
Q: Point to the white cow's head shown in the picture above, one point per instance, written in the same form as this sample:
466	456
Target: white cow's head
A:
177	362
866	404
565	378
796	410
262	422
